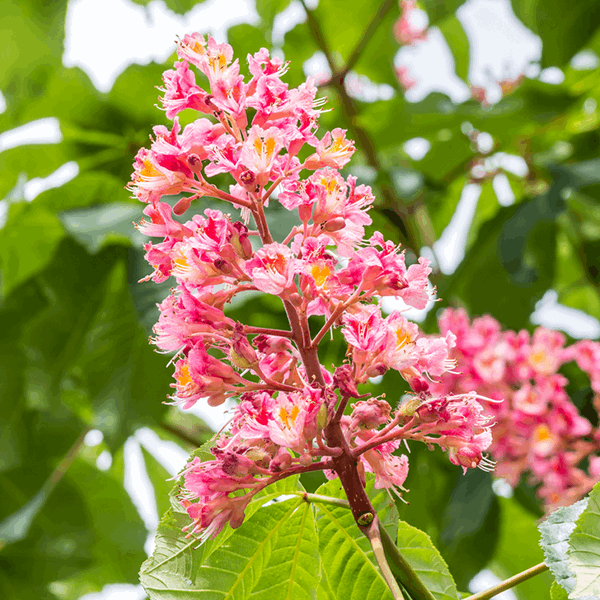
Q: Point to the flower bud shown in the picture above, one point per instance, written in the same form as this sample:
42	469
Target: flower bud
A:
248	180
305	212
222	265
335	224
242	354
377	370
194	162
182	205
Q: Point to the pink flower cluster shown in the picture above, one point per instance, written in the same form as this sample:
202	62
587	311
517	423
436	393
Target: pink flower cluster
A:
538	430
290	418
406	30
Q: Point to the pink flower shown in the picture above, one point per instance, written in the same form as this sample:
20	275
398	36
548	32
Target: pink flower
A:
273	269
334	150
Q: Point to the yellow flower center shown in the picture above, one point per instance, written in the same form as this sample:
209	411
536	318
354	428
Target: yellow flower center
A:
320	273
402	338
288	419
542	433
184	378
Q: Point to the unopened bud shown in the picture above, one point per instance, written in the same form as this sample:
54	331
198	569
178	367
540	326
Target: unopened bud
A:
242	354
248	180
194	162
222	265
377	370
281	461
305	212
182	205
322	416
335	224
410	406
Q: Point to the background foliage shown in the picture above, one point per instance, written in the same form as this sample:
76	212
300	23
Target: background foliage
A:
74	323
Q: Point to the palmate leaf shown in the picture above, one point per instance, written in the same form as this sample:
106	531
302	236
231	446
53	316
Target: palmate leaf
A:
584	548
555	532
346	553
180	569
418	549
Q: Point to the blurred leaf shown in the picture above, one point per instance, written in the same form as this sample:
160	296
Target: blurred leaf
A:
87	189
564	28
29	239
470	525
440	9
75	534
31	46
584	548
457	40
512	557
513	252
555	532
427	562
117	366
103	225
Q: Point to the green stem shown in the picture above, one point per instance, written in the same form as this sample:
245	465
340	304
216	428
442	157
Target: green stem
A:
403	571
374	535
509	583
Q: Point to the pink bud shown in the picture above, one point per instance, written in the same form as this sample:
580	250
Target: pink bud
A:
335	224
194	162
182	205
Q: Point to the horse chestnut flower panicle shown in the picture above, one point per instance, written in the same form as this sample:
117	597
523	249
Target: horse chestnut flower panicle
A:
538	431
290	417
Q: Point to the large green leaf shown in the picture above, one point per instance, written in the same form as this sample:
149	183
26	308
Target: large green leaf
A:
178	561
74	536
555	532
470	525
348	560
418	549
563	27
584	548
457	40
294	569
510	558
31	46
28	242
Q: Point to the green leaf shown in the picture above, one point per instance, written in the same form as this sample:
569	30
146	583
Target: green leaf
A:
440	9
87	189
510	558
584	548
470	525
348	560
418	549
28	242
564	28
31	46
177	560
557	592
555	532
74	537
457	40
104	225
294	569
513	252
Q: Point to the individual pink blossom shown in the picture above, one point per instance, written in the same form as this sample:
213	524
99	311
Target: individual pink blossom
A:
272	269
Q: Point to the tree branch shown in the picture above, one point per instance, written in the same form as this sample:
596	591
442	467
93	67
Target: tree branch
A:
509	583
